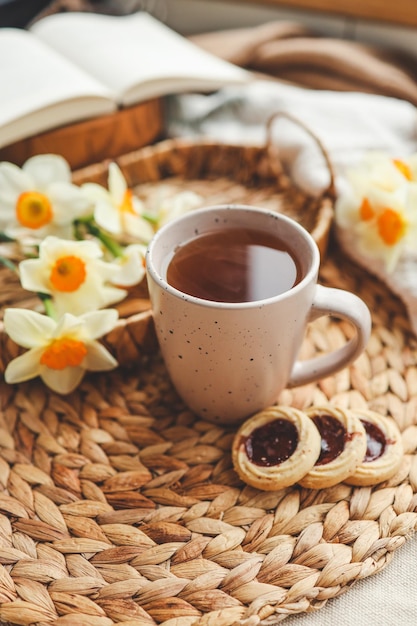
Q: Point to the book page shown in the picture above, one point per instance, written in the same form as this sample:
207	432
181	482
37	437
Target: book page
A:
40	90
136	55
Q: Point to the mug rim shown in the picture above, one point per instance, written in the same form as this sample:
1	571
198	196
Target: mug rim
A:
310	275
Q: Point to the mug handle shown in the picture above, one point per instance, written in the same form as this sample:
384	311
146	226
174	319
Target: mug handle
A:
347	306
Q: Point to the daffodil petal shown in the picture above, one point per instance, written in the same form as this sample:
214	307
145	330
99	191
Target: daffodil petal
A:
117	183
54	247
138	205
131	266
32	277
62	381
12	179
24	367
68	323
27	236
96	192
412	214
107	270
28	328
62	231
131	273
47	168
138	227
98	358
69	202
382	199
90	296
107	216
135	249
111	295
412	164
347	209
179	204
7	216
12	183
98	323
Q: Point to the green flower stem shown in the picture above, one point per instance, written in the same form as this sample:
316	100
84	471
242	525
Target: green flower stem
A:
9	264
111	245
92	228
5	238
152	219
78	231
48	303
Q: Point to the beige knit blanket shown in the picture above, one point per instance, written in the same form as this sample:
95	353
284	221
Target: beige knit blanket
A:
292	53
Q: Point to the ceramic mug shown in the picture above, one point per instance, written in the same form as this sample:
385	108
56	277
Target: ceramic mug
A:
228	360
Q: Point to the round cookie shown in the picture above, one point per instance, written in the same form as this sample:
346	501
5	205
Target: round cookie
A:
343	446
384	452
275	447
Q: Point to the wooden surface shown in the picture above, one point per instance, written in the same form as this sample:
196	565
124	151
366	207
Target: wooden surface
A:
92	141
402	12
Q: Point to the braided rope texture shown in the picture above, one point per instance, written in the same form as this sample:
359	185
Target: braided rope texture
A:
119	506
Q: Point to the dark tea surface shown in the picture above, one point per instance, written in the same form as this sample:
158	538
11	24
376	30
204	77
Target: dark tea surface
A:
234	265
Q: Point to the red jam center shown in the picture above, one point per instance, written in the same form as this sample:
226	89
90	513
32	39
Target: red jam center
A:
272	444
333	438
375	442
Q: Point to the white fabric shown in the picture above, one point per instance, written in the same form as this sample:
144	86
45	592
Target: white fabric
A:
388	598
348	124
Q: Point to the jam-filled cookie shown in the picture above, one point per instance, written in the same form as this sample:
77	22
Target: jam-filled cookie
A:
384	450
275	448
343	446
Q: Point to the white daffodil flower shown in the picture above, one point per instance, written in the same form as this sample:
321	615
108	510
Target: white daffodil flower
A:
74	274
384	223
378	169
408	166
39	199
168	207
118	210
59	352
131	266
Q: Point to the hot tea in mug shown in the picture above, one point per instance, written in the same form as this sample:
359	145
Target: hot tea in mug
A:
235	265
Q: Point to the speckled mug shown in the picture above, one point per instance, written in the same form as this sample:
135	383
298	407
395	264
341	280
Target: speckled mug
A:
230	360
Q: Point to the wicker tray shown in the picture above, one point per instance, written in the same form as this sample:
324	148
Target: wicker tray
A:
219	174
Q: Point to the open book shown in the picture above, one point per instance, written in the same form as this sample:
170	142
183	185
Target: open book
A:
74	66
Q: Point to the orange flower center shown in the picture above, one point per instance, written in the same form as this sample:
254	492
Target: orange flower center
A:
63	352
68	273
391	226
126	205
403	168
366	211
33	209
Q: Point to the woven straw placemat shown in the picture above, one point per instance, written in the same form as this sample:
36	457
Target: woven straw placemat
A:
119	506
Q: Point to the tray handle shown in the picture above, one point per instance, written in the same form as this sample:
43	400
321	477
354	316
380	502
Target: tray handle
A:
330	190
